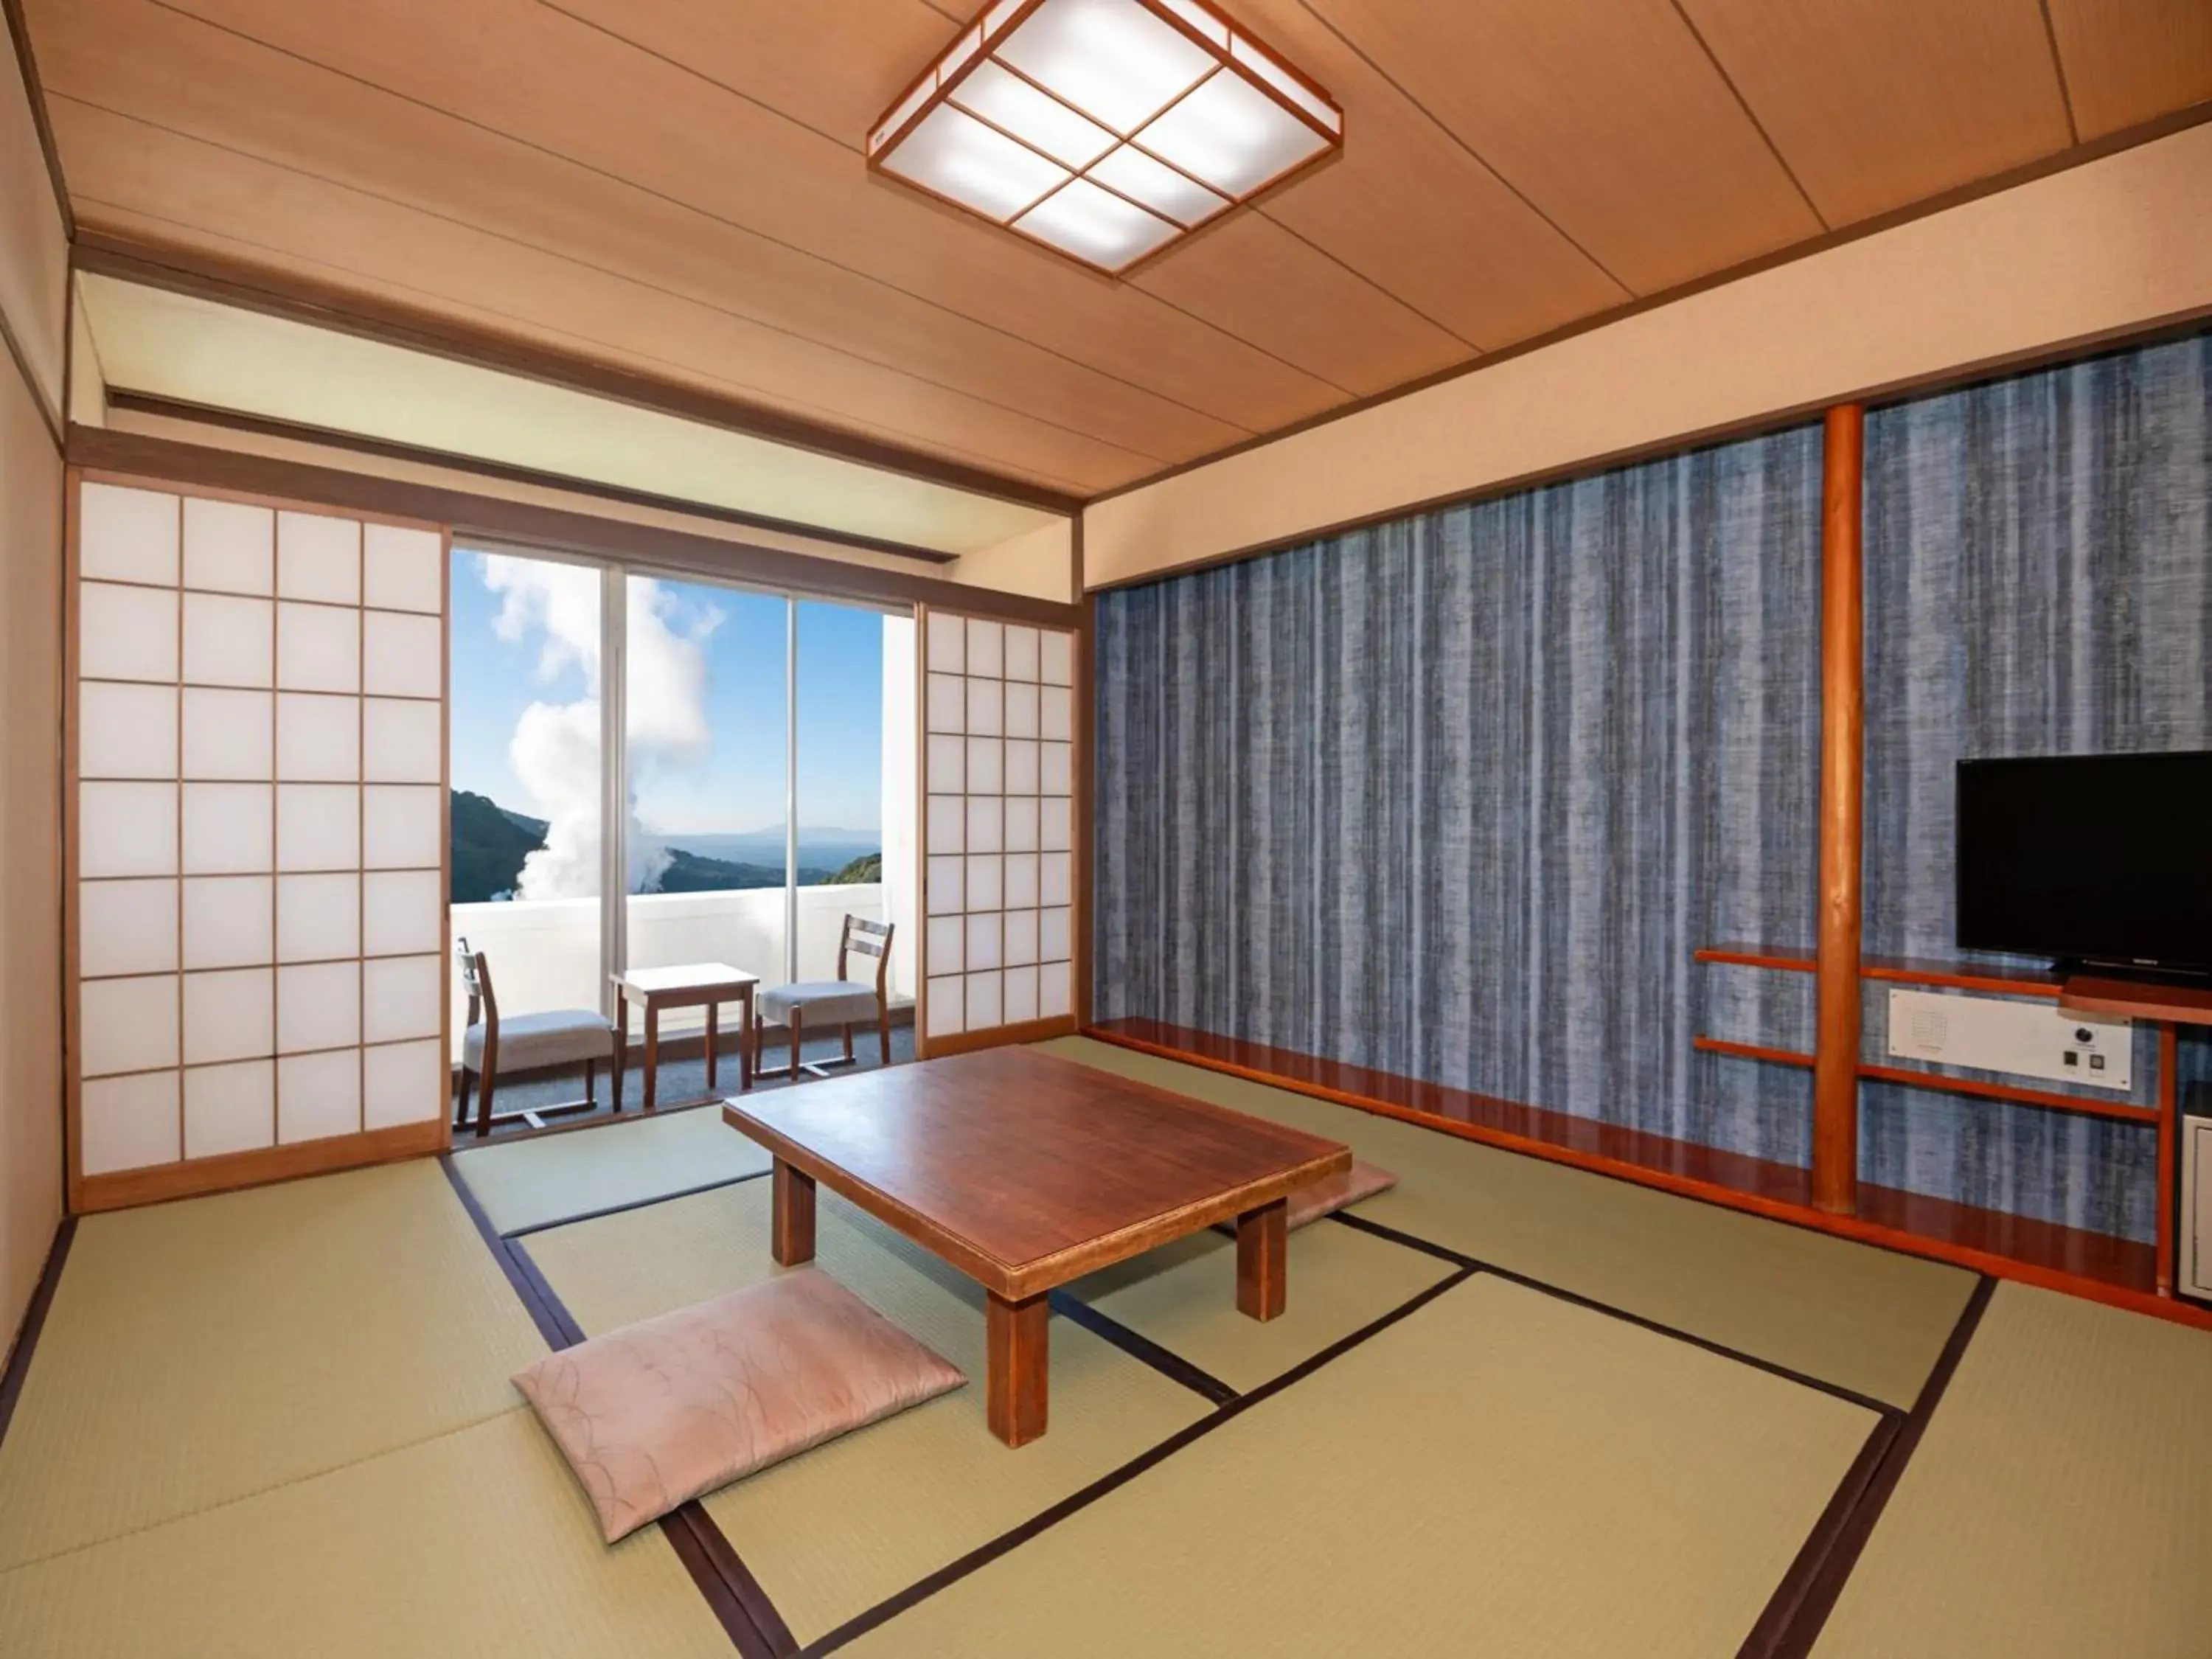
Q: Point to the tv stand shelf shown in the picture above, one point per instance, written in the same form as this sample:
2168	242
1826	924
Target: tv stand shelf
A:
2179	1005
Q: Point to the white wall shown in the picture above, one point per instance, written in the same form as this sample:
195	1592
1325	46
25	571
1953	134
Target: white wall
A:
2108	249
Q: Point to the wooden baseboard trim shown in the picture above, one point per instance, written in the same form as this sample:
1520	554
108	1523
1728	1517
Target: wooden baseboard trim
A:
1792	1211
126	1188
35	1321
999	1036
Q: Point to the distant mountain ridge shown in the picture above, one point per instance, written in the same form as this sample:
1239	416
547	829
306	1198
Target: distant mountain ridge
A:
489	843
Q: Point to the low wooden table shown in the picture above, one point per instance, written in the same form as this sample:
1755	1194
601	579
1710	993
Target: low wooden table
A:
1025	1171
694	985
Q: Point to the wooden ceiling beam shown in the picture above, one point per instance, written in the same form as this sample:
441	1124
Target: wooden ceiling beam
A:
248	287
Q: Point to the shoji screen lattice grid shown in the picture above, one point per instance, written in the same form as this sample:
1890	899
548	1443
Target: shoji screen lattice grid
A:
998	783
258	736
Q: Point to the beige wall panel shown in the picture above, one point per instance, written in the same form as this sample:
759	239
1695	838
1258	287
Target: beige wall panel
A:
30	848
1877	103
2112	246
34	243
1037	562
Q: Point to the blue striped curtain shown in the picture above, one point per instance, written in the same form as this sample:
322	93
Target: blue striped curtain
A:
2039	581
1458	797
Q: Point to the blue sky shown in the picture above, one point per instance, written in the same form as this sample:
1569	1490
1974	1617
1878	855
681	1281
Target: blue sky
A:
734	781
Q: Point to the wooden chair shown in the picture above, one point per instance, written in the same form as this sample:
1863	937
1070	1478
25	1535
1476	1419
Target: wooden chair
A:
842	1001
527	1043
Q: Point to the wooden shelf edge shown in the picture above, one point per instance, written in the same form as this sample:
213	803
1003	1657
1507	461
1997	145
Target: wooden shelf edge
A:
1788	959
2166	1004
1903	971
1791	1214
1751	1051
2127	1111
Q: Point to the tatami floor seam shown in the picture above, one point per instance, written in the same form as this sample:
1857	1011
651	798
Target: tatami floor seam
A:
183	1515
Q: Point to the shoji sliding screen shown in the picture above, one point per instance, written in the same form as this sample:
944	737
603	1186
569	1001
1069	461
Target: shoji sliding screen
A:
998	832
257	840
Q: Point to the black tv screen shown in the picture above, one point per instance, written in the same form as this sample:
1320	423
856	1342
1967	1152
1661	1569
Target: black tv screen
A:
2103	858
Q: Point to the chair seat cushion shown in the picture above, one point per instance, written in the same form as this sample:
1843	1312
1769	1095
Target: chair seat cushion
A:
565	1037
653	1414
1362	1180
819	1002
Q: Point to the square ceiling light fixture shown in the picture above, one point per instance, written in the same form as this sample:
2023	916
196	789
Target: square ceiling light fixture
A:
1105	128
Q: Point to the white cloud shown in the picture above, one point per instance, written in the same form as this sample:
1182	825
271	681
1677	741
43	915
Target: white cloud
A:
555	750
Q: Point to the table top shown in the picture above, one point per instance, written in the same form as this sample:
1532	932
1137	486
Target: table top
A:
686	977
1025	1170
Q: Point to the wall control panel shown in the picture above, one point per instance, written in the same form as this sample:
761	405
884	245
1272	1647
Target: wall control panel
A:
2009	1036
2196	1206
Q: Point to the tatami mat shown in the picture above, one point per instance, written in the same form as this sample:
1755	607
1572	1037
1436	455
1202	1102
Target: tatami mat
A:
1869	1319
476	1543
1183	1297
2060	1504
527	1182
831	1533
200	1351
1499	1475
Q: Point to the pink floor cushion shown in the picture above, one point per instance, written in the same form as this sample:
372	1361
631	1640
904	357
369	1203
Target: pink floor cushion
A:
1362	1180
657	1412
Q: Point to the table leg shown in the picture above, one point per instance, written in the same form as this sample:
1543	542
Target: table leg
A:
714	1036
1019	1345
1263	1241
791	1238
748	1041
652	1049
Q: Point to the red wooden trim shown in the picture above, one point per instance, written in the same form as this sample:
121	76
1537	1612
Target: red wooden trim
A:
2166	1003
1960	975
2006	1092
1751	1051
1788	959
2117	1271
1843	807
1904	970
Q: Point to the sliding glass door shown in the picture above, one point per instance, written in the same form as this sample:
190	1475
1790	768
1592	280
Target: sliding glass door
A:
651	771
525	735
706	711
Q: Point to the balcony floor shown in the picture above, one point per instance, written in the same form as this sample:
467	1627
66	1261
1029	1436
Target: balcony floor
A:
681	1080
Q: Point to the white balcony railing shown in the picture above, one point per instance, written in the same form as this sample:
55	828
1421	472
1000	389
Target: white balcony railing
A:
545	953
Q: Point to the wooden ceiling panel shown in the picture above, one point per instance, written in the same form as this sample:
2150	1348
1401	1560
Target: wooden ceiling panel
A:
1408	207
833	67
568	87
1255	277
2127	61
1606	114
1878	103
183	75
112	159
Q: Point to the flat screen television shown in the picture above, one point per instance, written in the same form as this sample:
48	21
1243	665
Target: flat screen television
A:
2098	859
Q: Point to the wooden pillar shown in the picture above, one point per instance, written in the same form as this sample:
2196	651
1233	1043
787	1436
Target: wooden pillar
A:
1843	754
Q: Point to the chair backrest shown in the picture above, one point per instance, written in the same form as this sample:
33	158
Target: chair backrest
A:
475	980
870	938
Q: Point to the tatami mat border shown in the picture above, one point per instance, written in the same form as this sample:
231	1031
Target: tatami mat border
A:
740	1604
525	1231
1799	1606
